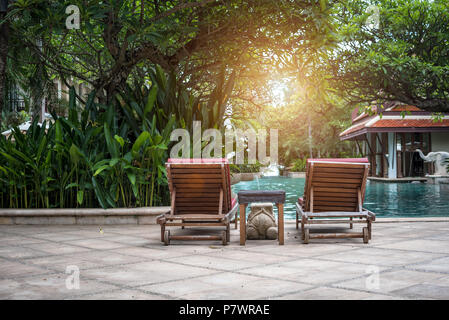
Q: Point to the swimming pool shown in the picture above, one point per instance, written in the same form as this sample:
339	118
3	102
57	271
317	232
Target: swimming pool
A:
385	199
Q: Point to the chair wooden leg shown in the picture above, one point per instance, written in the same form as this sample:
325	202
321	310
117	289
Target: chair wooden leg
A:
182	226
242	224
306	236
280	223
350	224
297	222
228	232
302	228
369	229
224	237
167	237
162	232
365	235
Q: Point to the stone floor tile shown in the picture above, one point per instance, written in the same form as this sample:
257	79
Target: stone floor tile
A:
84	260
11	240
419	244
138	274
120	294
389	282
435	265
59	263
296	249
148	252
17	252
51	286
252	256
56	248
130	262
213	262
131	240
326	293
100	244
58	236
12	269
424	291
309	271
382	257
226	285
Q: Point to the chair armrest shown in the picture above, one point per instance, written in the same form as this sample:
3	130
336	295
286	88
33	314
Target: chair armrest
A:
371	214
161	219
300	211
232	212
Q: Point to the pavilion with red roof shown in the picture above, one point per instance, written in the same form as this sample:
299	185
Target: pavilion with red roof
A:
390	135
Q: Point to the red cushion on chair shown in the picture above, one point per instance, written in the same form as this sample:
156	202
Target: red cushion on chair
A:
196	160
233	202
343	160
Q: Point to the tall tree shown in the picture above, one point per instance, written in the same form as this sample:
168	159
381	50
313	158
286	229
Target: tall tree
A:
206	43
4	40
404	58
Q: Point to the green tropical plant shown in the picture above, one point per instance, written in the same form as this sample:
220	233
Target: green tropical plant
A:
299	165
100	155
245	168
89	159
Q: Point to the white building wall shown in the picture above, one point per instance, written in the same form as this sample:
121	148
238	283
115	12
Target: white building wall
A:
440	141
392	156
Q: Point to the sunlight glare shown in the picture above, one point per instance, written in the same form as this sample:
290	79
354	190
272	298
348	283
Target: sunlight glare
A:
278	92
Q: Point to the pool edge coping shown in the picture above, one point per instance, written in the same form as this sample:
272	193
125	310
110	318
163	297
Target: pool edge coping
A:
400	220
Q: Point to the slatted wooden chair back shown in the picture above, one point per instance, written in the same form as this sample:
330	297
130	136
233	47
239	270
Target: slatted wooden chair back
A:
199	188
335	184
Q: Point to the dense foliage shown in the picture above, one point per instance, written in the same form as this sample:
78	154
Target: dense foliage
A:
246	168
92	158
299	165
153	66
206	43
404	58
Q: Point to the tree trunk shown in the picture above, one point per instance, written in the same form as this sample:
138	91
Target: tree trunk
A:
310	137
4	39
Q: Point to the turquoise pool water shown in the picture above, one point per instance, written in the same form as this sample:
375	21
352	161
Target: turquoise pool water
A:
385	199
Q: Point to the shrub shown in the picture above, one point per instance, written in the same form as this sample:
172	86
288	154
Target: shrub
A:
299	165
245	168
88	161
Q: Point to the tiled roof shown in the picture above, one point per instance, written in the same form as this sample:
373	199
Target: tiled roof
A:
360	116
352	129
395	108
413	121
405	107
389	119
409	123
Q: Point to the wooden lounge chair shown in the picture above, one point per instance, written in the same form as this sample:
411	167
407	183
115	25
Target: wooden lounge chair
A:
333	193
200	191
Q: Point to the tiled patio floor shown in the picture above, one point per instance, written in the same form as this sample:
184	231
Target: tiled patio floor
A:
407	260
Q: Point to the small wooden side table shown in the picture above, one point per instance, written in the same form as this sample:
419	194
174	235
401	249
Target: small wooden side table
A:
248	196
